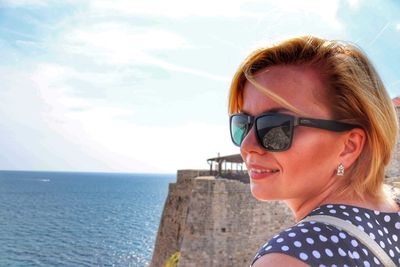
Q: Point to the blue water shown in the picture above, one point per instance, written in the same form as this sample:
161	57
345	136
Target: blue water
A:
79	219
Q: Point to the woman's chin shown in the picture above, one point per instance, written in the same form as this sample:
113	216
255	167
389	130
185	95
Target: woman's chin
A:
262	194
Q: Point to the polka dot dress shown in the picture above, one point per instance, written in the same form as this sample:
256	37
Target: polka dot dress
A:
319	244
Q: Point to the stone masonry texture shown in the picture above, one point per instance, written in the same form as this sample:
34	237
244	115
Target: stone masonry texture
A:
226	225
169	236
215	222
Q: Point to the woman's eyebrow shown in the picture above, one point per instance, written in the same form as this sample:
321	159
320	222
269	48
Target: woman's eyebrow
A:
277	110
272	110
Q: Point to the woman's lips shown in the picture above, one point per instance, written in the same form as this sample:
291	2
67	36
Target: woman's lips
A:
257	173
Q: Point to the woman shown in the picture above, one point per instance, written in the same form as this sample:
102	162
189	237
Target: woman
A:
316	129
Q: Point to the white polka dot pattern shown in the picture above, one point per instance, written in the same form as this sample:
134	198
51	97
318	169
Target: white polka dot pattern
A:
318	244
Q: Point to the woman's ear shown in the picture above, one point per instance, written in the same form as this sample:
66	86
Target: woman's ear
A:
354	141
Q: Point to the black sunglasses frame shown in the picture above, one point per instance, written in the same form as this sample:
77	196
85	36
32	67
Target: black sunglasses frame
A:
330	125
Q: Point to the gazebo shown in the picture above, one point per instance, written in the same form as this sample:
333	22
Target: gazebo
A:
230	167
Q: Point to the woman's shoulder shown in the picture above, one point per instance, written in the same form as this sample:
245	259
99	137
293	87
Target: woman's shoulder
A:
307	242
310	243
313	242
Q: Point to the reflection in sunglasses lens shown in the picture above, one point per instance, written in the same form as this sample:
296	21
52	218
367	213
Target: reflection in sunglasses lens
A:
238	129
274	133
276	138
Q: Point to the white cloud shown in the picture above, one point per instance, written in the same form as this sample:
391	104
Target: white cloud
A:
398	27
26	139
50	82
172	67
118	44
128	39
24	3
179	9
14	32
164	148
37	3
172	8
354	3
116	143
325	10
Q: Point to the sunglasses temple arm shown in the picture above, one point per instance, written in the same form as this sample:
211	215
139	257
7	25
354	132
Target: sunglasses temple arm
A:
324	124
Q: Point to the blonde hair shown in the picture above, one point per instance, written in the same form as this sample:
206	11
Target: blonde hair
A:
356	93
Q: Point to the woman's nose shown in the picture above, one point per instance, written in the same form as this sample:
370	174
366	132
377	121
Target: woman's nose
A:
250	143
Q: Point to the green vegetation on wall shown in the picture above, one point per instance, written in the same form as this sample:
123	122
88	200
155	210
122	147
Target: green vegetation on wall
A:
173	260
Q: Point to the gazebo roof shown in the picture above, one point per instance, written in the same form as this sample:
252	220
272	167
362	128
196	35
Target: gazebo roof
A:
236	158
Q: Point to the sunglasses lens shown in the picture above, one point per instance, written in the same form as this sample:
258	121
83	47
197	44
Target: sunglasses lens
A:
274	132
239	125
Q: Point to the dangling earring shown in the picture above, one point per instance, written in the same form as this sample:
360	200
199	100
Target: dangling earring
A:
340	170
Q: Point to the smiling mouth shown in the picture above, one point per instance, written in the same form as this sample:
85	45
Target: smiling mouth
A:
264	170
261	174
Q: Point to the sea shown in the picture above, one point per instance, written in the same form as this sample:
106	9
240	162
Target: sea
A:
80	219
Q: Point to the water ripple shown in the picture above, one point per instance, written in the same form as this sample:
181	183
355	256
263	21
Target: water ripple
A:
75	219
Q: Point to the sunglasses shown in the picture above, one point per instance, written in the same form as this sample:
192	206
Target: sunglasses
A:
274	131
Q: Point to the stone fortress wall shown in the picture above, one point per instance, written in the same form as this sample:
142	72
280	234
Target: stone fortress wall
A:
215	222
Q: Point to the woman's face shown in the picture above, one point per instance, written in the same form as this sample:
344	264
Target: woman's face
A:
309	166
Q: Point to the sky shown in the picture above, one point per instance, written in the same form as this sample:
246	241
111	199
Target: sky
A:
142	86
